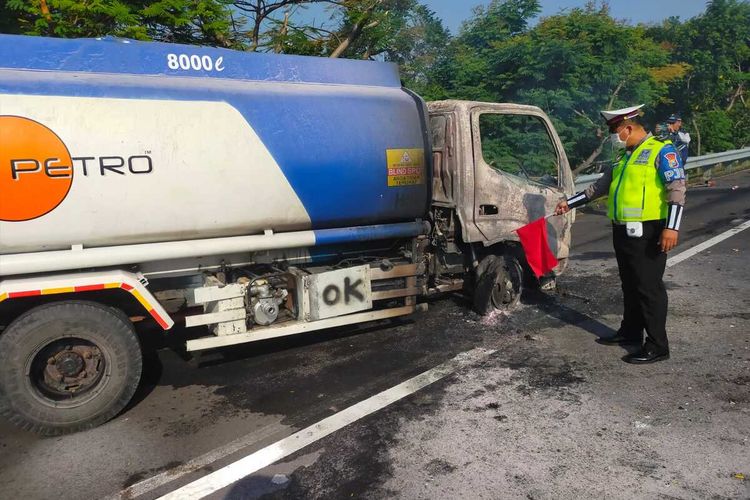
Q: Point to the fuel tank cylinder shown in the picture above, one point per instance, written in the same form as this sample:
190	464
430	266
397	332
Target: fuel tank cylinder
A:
107	142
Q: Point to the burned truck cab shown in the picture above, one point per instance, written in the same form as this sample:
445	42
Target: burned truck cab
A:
496	167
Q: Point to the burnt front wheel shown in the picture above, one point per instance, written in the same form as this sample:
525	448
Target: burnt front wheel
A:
68	366
499	284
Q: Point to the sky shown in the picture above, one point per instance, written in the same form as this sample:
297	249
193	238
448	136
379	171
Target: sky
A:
454	12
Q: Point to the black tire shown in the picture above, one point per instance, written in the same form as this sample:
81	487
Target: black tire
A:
499	284
68	366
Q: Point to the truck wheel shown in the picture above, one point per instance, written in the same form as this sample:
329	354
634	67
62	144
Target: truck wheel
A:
68	366
499	284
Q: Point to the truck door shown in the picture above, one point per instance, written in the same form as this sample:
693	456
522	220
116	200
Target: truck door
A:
520	173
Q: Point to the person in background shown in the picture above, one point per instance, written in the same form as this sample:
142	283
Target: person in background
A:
680	139
646	195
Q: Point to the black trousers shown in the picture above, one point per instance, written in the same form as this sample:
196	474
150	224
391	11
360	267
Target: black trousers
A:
641	264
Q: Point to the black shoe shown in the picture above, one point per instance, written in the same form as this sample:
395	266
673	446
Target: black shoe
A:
619	339
646	356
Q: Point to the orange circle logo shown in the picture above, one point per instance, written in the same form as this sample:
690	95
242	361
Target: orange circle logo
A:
36	171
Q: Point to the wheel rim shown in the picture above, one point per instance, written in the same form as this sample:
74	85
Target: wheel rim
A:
67	372
507	290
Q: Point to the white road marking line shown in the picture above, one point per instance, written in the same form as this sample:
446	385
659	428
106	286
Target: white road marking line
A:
170	475
264	457
707	244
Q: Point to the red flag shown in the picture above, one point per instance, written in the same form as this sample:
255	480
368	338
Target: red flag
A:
534	240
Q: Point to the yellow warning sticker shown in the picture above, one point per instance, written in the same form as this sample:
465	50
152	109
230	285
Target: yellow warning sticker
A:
405	167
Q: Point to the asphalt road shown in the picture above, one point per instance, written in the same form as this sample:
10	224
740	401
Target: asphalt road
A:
550	415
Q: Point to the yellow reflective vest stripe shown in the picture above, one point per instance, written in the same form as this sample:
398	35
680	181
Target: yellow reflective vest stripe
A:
637	192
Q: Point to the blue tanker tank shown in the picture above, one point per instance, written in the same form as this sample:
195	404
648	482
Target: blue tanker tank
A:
171	142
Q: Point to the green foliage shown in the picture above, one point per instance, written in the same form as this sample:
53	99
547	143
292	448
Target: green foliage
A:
202	22
571	65
712	94
739	116
498	22
717	45
416	45
401	31
73	18
9	19
380	20
206	22
716	130
467	72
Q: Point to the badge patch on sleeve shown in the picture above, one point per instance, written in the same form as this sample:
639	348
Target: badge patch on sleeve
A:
670	167
405	167
672	160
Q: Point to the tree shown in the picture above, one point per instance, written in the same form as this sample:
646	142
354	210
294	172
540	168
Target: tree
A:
715	46
577	64
571	65
9	20
195	22
200	22
359	17
401	31
466	72
73	19
261	14
499	21
416	45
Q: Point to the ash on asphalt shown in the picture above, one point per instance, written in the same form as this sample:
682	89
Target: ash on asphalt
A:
356	461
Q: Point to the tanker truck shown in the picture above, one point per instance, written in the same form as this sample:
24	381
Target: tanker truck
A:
245	196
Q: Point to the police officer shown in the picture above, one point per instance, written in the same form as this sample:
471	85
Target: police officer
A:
646	189
680	139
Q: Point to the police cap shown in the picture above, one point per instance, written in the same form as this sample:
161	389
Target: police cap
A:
615	116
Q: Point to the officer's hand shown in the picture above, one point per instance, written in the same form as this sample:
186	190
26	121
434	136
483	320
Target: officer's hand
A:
562	208
668	239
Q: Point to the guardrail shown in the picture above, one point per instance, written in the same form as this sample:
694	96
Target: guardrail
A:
716	158
709	160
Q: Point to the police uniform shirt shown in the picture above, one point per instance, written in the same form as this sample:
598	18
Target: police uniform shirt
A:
671	173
